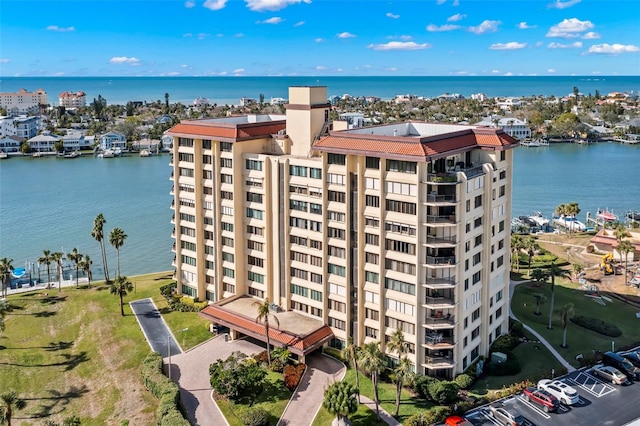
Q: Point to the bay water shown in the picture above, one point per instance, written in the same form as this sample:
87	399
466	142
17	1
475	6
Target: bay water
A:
50	203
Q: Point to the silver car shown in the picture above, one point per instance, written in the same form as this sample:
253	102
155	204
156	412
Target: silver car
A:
563	392
610	374
506	416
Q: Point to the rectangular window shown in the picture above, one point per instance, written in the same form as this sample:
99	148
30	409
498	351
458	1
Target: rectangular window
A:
372	239
184	156
400	286
499	296
475	315
254	214
336	216
371	332
476	259
226	162
298	273
252	197
337	252
339	197
299	257
372	258
501	226
401	207
478	201
228	272
372	277
188	245
184	230
372	201
226	146
336	179
188	260
371	297
254	245
316	295
255	261
402	307
297	222
404	267
314	244
336	269
372	183
340	159
336	323
499	312
478	240
476	277
395	324
500	261
255	230
226	241
211	250
402	166
253	165
337	306
253	276
400	228
475	333
402	188
228	257
372	222
206	143
187	142
336	233
230	288
315	173
372	314
226	195
253	182
255	292
337	289
298	171
226	178
226	226
373	163
400	246
316	278
207	159
477	222
183	171
298	205
315	208
301	241
187	217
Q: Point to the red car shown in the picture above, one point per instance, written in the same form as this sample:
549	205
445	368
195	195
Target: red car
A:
543	398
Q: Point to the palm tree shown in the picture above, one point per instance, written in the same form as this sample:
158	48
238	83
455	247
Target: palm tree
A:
554	271
339	401
264	312
561	210
76	258
116	239
540	299
6	267
58	257
350	353
403	374
530	245
624	248
565	315
3	311
572	210
372	361
85	265
120	287
46	259
10	401
516	245
620	233
98	234
398	345
539	275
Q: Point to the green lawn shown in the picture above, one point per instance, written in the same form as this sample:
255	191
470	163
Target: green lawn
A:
579	340
72	353
274	400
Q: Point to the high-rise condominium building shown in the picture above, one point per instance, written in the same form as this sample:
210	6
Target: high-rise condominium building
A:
366	231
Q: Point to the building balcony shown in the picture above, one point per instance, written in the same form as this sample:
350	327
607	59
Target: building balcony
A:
440	283
436	342
439	323
438	362
441	241
441	220
472	172
441	261
437	199
442	178
173	248
439	302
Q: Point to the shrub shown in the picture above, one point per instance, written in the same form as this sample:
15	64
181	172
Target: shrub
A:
164	389
428	417
254	417
261	358
421	385
504	343
292	375
237	377
464	381
517	329
597	325
443	392
279	358
336	353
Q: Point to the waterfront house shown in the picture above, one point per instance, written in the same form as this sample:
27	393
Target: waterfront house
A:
512	126
75	141
11	144
350	234
113	140
44	142
22	126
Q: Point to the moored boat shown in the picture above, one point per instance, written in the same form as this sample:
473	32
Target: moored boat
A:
74	154
3	155
570	223
633	215
606	215
145	153
539	219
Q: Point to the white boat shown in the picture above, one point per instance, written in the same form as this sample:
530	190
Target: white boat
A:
145	153
74	154
3	155
540	220
570	223
117	152
107	153
36	155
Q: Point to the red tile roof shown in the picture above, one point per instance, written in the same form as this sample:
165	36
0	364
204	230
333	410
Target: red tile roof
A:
416	148
226	131
298	344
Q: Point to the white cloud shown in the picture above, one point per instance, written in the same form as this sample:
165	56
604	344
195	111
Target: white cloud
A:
321	68
124	60
570	28
392	69
524	26
187	35
591	36
512	45
495	71
559	4
184	66
345	34
238	71
508	74
189	4
239	35
457	17
202	36
405	37
215	4
298	24
60	29
173	73
456	3
551	70
391	15
271	5
319	40
613	49
441	2
576	45
486	26
4	60
436	29
274	21
399	45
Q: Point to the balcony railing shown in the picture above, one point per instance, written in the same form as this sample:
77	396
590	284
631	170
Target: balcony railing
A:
448	219
441	240
474	171
442	322
435	198
441	260
435	362
440	282
436	343
439	302
450	178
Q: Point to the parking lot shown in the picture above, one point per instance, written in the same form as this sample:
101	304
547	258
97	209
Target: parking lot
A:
600	404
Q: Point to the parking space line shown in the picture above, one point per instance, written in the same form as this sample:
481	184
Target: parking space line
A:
491	419
595	381
534	407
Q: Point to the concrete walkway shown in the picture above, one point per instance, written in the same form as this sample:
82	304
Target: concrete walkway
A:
553	351
384	415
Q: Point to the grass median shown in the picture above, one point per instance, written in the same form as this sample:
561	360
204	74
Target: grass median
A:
71	353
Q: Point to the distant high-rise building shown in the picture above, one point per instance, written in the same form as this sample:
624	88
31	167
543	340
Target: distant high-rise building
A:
72	99
22	101
370	230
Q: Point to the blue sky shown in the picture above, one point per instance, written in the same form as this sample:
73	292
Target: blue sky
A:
319	37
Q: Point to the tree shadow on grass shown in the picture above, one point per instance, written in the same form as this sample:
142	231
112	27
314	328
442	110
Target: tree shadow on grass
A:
164	277
51	347
56	401
44	314
70	362
52	300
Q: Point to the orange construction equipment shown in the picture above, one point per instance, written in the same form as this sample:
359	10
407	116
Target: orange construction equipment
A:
605	264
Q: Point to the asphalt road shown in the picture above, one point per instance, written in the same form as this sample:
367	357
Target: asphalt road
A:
154	328
600	404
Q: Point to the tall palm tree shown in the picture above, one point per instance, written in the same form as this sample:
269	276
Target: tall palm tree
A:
624	248
516	245
10	401
116	239
372	361
6	267
398	345
565	315
58	257
120	287
540	299
46	259
76	258
620	233
530	245
350	353
98	234
403	374
3	311
554	271
85	265
561	210
264	313
572	210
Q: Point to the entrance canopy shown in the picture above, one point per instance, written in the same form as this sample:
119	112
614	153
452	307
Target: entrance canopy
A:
299	333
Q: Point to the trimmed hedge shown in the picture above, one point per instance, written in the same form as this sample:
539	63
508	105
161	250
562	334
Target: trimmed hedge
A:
505	343
464	380
163	388
597	325
254	417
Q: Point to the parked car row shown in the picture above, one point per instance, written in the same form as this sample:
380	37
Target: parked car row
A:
619	368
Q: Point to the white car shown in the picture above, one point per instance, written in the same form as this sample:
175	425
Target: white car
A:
563	392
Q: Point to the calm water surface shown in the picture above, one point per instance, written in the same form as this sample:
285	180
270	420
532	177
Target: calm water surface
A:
50	203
